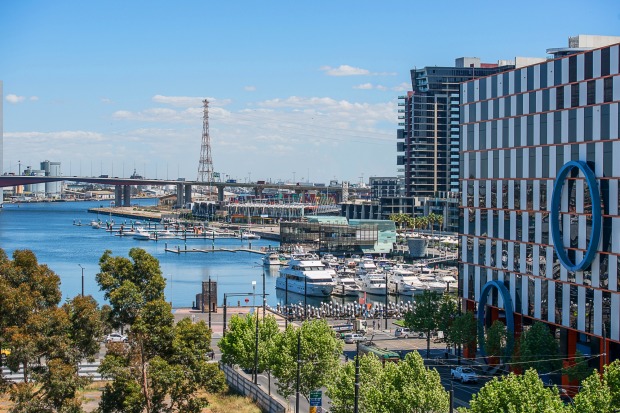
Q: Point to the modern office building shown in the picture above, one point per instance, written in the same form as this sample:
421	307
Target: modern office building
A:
383	187
428	140
540	174
1	142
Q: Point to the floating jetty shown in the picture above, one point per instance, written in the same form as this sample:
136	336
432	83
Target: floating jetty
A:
179	250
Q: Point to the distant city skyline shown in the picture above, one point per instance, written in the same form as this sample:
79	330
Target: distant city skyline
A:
298	91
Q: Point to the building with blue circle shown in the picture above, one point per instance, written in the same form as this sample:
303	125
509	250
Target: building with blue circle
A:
540	187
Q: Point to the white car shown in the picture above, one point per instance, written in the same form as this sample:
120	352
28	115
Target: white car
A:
115	338
351	338
464	375
403	332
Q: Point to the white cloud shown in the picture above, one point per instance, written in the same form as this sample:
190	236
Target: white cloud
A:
107	101
33	98
14	98
344	70
402	87
189	101
250	88
369	86
363	86
43	137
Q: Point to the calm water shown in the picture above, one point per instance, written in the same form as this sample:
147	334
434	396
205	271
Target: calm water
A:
47	229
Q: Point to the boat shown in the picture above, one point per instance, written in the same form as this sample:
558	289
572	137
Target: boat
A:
273	259
346	285
372	283
249	235
165	234
405	282
366	265
142	234
306	275
95	224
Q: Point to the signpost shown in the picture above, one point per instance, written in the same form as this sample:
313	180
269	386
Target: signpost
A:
316	401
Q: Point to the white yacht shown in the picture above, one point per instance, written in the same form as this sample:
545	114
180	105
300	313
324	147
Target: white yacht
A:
405	282
249	235
372	283
141	234
346	285
273	259
366	265
306	275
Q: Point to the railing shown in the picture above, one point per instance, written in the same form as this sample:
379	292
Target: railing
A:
245	387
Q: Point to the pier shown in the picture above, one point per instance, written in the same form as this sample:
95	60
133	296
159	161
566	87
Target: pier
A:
179	250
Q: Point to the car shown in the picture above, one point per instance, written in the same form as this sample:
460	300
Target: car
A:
351	338
464	374
403	332
115	338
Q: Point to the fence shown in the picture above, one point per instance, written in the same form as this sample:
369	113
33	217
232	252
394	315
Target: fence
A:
245	387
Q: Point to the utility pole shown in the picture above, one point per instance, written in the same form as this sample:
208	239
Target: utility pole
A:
298	369
205	164
82	279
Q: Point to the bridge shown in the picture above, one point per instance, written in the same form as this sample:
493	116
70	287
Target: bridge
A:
184	188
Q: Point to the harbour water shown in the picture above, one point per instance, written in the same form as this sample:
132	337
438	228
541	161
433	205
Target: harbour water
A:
47	229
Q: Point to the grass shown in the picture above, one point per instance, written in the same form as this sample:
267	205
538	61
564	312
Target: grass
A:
218	403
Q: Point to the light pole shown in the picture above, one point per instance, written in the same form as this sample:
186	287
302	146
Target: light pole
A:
298	369
256	334
82	279
357	376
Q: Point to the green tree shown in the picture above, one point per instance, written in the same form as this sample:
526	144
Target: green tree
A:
425	315
404	387
239	345
538	349
594	395
463	331
34	328
164	367
495	339
320	352
448	312
580	369
517	393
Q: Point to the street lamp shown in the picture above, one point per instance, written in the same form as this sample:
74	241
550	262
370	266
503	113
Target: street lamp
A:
82	279
256	334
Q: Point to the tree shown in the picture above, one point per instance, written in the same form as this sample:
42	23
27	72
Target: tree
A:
404	387
425	315
594	395
164	367
320	352
495	340
463	331
579	370
34	328
538	349
517	393
239	345
448	312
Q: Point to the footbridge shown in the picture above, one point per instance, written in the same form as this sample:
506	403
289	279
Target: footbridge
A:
183	188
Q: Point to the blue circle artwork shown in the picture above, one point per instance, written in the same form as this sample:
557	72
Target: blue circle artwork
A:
554	220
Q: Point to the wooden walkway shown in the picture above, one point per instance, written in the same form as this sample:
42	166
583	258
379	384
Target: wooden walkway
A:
179	250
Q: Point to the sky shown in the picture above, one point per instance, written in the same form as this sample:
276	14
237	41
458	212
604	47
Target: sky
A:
299	91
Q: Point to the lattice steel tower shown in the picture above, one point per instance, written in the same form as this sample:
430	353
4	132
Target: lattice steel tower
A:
205	165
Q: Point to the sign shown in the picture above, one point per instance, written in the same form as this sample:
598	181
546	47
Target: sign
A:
216	174
554	218
316	401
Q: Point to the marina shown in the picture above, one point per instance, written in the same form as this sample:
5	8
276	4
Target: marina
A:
190	255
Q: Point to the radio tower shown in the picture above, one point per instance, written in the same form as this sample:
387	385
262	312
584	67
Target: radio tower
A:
205	165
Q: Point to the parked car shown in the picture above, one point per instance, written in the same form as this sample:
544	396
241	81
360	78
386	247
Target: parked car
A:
464	374
351	338
115	338
403	332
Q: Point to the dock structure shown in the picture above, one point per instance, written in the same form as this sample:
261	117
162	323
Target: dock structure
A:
179	250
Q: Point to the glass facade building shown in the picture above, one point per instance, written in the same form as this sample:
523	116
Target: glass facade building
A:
519	218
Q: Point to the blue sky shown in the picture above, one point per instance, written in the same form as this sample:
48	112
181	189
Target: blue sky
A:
298	89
